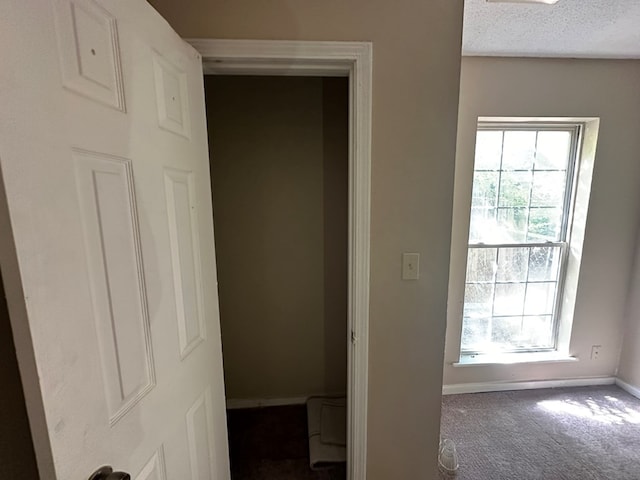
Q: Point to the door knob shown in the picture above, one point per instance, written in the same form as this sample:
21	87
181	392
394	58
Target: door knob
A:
107	473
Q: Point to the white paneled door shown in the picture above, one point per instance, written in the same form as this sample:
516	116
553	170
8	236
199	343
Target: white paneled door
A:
110	251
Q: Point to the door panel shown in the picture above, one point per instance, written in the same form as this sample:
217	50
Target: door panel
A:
105	164
171	96
185	258
154	469
89	51
116	278
201	441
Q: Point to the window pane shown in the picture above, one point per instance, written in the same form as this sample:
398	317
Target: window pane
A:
515	188
481	264
485	189
478	298
519	150
543	263
488	150
512	225
506	330
509	299
548	189
512	264
475	332
537	332
482	227
519	197
553	150
544	224
540	298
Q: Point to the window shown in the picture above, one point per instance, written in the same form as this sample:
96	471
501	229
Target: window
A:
518	236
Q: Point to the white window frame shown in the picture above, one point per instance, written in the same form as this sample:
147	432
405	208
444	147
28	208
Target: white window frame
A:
577	132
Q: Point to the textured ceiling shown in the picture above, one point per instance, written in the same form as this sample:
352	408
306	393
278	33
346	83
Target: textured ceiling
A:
571	28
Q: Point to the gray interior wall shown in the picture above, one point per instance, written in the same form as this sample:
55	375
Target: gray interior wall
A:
279	163
527	87
17	458
629	370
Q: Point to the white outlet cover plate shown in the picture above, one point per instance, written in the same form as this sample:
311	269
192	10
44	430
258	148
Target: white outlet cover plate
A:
410	266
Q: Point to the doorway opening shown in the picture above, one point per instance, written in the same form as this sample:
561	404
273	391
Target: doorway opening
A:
352	60
279	156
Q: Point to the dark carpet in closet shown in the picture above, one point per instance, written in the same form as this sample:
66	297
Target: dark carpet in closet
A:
271	444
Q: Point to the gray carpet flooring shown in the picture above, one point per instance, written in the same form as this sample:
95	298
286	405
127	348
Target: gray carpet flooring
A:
272	444
590	433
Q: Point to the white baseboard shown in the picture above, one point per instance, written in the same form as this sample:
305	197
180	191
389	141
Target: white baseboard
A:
455	389
233	404
505	386
635	391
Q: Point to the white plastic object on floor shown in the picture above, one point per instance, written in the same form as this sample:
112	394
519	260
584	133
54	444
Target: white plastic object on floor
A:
330	452
448	457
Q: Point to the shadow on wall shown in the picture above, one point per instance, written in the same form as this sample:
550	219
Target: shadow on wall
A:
279	163
17	458
335	130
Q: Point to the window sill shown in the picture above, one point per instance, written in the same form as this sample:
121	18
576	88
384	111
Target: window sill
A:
513	358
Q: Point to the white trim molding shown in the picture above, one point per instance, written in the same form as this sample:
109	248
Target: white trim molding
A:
239	403
512	358
235	404
353	60
455	389
635	391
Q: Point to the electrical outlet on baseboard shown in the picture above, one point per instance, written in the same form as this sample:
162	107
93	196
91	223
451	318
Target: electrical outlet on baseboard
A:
595	352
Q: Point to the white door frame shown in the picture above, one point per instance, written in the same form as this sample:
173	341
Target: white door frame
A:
352	59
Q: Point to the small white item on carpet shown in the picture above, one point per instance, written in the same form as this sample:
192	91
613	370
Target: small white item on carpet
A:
327	423
448	457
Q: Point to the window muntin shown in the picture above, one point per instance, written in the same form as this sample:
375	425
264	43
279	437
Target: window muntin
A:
520	213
